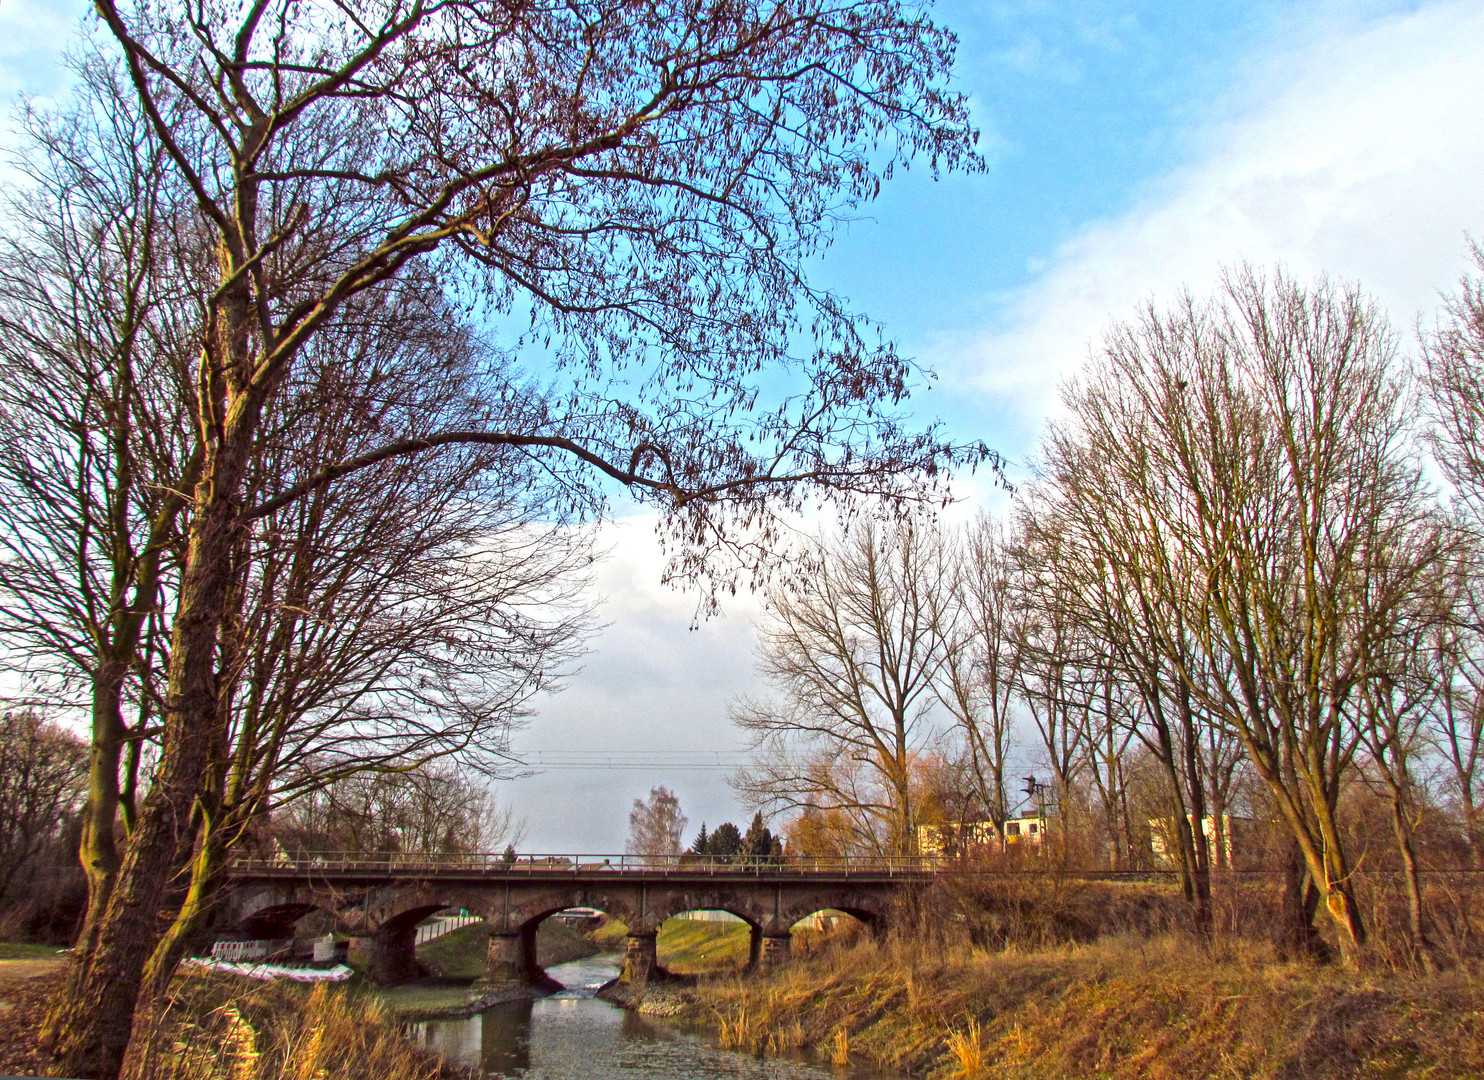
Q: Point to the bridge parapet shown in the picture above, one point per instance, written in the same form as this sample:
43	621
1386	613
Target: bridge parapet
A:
399	864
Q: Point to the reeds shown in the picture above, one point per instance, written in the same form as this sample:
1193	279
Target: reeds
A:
840	1047
966	1048
219	1028
735	1031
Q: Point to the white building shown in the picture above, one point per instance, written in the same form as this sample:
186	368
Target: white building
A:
1237	837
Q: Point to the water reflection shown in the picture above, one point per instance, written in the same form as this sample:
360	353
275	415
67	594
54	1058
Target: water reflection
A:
574	1036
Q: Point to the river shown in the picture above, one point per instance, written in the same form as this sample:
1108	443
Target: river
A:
574	1036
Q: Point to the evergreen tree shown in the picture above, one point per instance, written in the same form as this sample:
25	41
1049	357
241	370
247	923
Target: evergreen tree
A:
757	845
726	842
702	841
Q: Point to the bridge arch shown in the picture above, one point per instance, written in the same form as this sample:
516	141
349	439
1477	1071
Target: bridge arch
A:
870	910
514	929
741	912
275	921
871	919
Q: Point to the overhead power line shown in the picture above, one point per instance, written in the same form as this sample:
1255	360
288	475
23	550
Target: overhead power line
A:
693	760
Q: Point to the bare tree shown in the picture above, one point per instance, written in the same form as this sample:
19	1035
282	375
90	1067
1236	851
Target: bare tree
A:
42	774
657	827
644	183
406	613
1453	371
853	648
1088	514
437	808
1269	433
981	669
95	460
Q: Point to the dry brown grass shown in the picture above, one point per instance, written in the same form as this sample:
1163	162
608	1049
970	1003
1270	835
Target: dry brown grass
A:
221	1028
966	1049
1124	1007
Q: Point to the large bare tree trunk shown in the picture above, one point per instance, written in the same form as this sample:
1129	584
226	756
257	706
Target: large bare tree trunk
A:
93	1021
1333	877
1298	938
208	867
97	848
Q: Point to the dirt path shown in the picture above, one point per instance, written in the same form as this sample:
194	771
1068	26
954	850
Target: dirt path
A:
17	972
25	988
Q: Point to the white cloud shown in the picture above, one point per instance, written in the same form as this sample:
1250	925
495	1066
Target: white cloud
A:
33	35
651	683
1358	153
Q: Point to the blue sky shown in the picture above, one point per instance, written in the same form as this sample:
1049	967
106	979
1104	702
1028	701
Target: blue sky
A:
1077	104
1133	148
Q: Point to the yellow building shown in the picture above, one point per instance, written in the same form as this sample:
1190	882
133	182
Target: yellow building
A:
971	835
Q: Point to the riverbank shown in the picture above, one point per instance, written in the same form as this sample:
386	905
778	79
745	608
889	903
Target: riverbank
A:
222	1027
1156	1008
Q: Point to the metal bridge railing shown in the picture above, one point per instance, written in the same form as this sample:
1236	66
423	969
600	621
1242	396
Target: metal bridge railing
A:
403	862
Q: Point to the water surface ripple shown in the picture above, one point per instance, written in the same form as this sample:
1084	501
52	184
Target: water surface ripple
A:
574	1036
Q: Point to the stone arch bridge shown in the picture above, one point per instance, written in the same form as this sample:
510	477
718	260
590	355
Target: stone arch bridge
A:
380	900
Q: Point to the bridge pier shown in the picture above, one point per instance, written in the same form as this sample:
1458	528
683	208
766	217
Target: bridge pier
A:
388	956
775	950
511	958
640	957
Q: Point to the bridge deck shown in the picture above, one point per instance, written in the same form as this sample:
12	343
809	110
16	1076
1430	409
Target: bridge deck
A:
592	869
585	868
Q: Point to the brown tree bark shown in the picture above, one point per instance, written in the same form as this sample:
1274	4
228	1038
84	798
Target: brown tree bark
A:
1297	937
1422	943
92	1023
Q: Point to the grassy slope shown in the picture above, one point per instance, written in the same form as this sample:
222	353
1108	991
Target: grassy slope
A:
690	946
609	935
15	950
1115	1011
